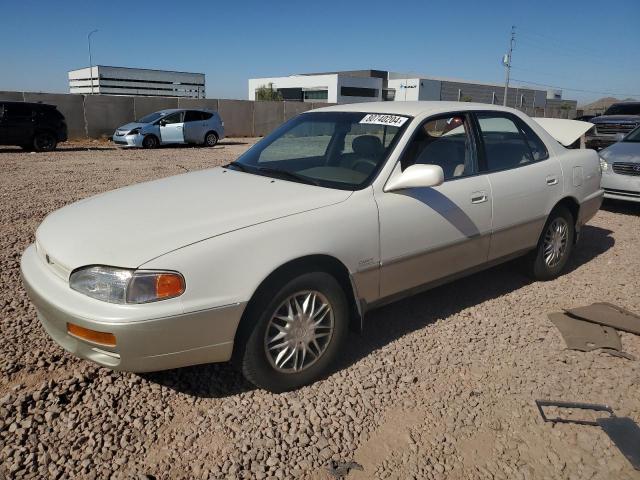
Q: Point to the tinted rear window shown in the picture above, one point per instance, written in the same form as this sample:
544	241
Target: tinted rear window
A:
623	109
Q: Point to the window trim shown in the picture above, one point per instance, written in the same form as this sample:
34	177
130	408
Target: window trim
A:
484	169
472	137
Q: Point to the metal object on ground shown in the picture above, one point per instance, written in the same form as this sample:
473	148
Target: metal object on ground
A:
585	336
341	469
572	405
623	431
625	434
608	315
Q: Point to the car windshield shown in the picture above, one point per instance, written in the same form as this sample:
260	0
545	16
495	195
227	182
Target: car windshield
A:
623	109
152	117
633	136
341	150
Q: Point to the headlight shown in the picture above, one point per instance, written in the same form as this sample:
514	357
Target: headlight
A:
119	285
135	131
604	166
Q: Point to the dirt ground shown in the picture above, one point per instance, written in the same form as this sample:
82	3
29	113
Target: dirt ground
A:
441	385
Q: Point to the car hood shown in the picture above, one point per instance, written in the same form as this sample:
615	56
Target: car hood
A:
622	152
132	225
130	126
616	119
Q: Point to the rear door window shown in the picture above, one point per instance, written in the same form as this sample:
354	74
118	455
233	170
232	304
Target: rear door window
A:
505	146
193	116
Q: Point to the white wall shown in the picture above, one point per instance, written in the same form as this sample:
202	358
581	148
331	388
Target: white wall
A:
412	89
320	82
330	82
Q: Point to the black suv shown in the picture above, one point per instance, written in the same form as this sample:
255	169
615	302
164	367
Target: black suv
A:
618	120
32	126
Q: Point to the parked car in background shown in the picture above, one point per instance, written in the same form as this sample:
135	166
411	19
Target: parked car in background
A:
268	260
585	118
32	126
618	120
621	172
173	126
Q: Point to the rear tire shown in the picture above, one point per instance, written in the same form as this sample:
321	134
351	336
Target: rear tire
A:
555	245
292	333
211	139
44	142
150	141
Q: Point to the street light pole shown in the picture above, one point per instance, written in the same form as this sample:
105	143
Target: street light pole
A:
507	64
90	60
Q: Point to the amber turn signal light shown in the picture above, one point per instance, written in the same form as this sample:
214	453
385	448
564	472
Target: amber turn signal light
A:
169	285
93	336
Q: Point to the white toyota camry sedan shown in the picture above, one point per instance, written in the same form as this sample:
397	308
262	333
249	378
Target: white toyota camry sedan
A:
268	260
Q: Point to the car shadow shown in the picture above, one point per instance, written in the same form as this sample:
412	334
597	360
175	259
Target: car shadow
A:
389	323
621	207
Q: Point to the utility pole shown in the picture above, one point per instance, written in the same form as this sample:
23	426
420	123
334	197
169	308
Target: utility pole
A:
90	61
506	61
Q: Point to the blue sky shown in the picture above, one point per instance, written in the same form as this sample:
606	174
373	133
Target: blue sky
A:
572	44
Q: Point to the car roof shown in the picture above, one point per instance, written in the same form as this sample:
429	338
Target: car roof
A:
411	108
167	111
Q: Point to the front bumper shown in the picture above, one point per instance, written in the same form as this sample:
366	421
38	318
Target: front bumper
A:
142	345
128	140
620	187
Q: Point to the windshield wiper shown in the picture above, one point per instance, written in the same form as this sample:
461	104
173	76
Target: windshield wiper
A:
239	166
291	175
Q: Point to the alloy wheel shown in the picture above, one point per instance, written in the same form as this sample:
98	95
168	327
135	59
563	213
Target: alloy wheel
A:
299	332
555	242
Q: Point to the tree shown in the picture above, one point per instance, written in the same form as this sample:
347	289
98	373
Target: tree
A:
266	92
467	98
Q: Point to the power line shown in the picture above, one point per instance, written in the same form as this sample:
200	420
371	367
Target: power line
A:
577	89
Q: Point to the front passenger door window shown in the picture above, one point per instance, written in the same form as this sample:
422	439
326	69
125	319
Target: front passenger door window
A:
444	141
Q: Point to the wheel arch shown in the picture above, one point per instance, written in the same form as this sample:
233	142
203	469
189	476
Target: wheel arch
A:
306	264
571	204
211	130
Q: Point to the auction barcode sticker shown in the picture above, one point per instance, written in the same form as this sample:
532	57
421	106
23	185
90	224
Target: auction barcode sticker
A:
384	119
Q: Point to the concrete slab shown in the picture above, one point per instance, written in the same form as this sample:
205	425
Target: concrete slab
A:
267	116
145	105
237	116
105	113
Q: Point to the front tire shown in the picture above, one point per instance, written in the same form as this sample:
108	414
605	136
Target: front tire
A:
291	338
44	142
150	141
554	246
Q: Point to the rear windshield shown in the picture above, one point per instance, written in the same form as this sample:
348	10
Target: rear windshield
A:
623	109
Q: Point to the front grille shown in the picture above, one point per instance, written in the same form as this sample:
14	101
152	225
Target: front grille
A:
613	128
622	193
120	142
626	168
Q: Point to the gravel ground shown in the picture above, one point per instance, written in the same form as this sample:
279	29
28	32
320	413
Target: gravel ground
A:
440	385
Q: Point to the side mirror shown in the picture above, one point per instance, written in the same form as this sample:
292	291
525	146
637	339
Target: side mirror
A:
162	123
416	176
619	137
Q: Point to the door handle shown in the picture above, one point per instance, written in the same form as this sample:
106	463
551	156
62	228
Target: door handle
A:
479	197
551	180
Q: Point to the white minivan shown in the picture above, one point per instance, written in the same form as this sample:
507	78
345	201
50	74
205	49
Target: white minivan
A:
172	126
